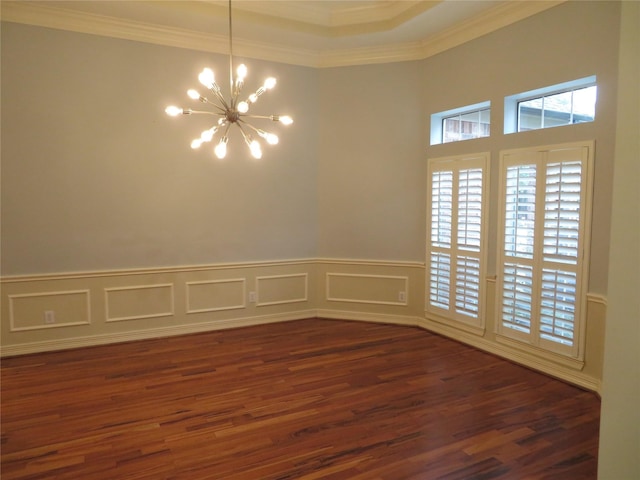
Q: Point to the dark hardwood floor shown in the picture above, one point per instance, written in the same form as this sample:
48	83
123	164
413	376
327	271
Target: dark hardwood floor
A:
311	399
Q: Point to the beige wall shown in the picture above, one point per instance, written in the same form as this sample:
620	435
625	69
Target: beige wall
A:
96	178
619	454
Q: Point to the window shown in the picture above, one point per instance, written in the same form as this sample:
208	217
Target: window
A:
562	104
544	223
456	245
472	121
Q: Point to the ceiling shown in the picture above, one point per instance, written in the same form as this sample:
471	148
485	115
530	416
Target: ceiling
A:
317	33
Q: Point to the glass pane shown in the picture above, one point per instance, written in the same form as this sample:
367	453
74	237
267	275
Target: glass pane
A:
451	129
469	125
557	109
584	104
530	115
485	122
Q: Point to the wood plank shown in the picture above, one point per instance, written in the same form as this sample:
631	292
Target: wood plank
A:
311	399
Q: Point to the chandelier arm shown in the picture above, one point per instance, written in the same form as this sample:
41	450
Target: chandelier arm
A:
204	112
268	117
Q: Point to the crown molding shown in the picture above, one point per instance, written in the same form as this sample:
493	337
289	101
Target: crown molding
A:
89	23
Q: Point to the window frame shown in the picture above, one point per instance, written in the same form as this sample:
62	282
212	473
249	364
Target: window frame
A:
457	164
540	156
511	102
437	120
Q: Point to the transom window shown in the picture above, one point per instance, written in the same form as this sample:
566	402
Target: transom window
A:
563	104
464	123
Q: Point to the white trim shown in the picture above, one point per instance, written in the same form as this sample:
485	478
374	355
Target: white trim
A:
368	302
369	263
170	313
405	320
215	309
305	298
13	328
151	270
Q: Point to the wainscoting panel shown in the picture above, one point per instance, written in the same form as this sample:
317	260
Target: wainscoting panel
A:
138	302
36	311
282	289
216	295
371	289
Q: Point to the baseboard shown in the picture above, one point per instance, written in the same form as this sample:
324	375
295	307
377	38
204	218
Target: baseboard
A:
95	340
405	320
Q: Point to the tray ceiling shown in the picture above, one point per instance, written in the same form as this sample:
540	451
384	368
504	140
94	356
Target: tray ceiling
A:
317	33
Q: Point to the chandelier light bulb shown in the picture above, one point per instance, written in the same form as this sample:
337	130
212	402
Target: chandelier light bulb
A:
272	139
256	151
193	94
241	71
196	143
207	135
269	83
207	78
221	148
243	107
173	111
253	98
286	120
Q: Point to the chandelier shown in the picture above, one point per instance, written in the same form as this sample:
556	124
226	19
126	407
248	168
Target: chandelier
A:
234	111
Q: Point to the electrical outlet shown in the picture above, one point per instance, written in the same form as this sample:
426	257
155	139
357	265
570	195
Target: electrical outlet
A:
49	316
252	297
402	296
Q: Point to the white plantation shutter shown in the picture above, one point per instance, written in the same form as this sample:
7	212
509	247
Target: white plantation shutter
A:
545	211
455	266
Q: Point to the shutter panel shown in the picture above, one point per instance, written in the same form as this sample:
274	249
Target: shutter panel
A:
455	250
545	210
